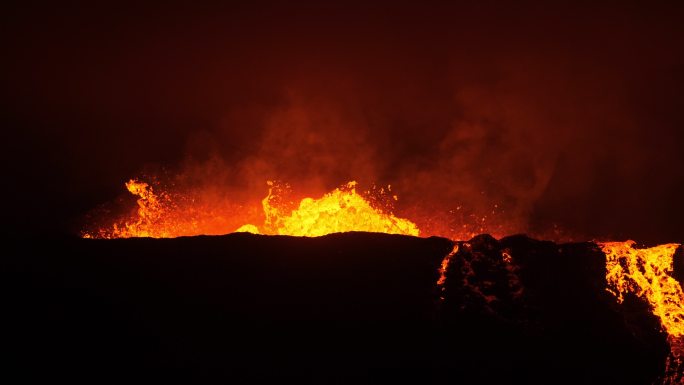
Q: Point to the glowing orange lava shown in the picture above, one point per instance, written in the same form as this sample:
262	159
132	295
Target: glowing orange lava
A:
443	269
341	210
150	221
647	273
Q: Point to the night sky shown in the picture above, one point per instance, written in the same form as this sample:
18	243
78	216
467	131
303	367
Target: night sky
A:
568	116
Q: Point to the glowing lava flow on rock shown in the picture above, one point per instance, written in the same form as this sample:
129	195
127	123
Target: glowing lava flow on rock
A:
647	273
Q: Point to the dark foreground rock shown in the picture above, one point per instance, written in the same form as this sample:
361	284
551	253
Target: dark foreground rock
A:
347	308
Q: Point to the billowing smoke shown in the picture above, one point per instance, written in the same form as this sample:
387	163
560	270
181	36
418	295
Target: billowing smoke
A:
481	117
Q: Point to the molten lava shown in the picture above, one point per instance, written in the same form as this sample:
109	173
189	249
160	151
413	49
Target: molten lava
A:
647	274
163	213
443	269
341	210
151	219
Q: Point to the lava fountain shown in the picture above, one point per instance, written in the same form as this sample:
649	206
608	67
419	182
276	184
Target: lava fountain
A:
341	210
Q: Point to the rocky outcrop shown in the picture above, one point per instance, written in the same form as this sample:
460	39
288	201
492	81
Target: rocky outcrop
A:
343	308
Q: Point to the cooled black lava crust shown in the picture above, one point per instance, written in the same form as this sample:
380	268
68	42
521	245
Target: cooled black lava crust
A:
344	308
